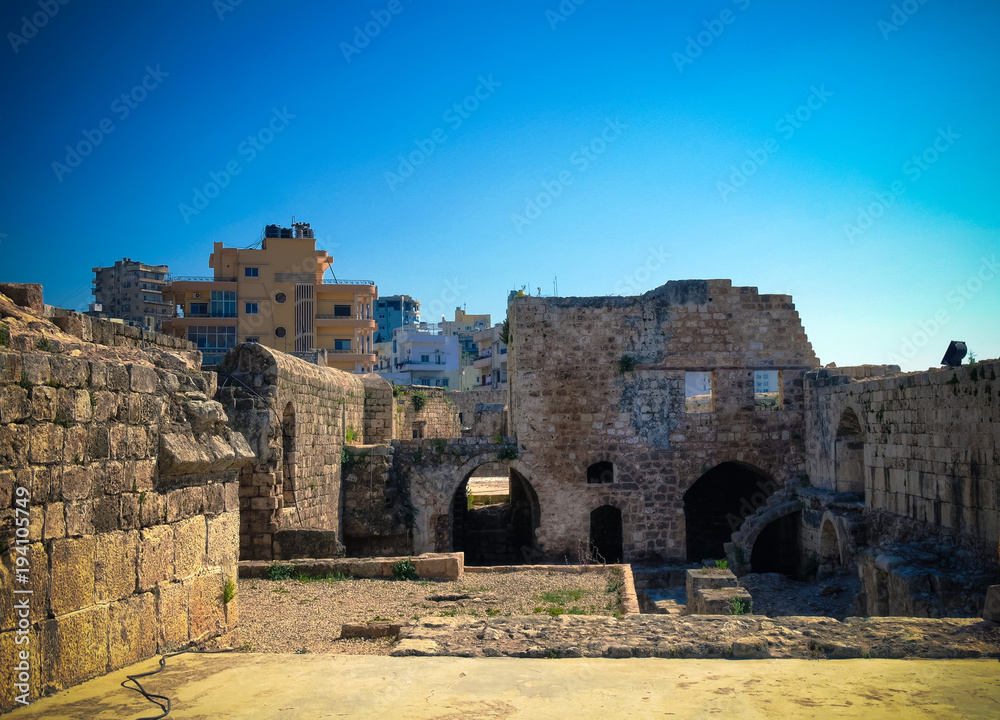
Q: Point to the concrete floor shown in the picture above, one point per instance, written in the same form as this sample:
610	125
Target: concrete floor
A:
293	687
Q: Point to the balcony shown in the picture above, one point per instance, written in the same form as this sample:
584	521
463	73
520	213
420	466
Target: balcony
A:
197	278
327	320
348	282
482	362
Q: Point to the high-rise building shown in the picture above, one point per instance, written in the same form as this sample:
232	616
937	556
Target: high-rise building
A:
275	293
132	291
395	311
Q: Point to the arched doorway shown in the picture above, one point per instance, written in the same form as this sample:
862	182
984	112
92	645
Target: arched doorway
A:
829	548
777	547
606	534
849	454
718	502
492	524
288	455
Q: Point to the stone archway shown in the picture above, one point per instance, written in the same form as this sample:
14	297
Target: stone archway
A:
288	455
849	454
831	556
497	528
777	547
716	505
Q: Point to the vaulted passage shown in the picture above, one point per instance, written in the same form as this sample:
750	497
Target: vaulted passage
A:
849	451
777	547
492	527
718	502
288	456
606	534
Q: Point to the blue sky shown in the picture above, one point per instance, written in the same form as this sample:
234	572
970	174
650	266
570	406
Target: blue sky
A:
843	152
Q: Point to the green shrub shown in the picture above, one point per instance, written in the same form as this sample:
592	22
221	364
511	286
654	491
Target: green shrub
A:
404	570
626	363
350	435
419	400
740	606
508	452
722	564
44	344
228	592
280	572
4	336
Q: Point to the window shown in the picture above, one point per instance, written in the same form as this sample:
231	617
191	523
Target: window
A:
250	308
600	473
280	297
252	339
767	389
223	303
280	332
199	308
444	383
213	341
425	358
342	311
251	272
341	344
698	392
126	285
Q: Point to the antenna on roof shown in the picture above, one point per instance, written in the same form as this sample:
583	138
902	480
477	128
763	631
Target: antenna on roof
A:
555	286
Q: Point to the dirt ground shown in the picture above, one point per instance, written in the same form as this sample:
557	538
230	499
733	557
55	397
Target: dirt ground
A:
295	616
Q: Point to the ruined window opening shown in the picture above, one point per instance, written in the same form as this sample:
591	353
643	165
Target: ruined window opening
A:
601	472
829	548
698	395
849	454
288	454
606	534
767	393
418	430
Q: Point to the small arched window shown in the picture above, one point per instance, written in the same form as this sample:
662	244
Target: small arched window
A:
601	472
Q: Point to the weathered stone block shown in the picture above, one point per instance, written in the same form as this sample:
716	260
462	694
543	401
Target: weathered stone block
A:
72	564
75	647
14	404
55	522
76	482
143	378
106	514
709	578
223	541
155	556
189	546
79	518
14	442
207	612
132	630
115	565
46	443
991	610
171	615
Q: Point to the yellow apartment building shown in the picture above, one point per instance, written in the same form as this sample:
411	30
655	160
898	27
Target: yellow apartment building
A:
276	293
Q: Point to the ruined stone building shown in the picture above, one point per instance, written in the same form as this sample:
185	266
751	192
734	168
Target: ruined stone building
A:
692	422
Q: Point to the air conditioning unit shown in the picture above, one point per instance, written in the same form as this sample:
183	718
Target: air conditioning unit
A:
197	295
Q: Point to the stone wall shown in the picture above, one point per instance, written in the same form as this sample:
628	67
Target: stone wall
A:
482	413
924	444
378	515
437	418
297	418
603	380
118	499
379	406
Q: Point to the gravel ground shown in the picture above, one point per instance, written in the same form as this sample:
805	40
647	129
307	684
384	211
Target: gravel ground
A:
292	616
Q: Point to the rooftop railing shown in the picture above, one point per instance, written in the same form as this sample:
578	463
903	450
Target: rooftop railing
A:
198	278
